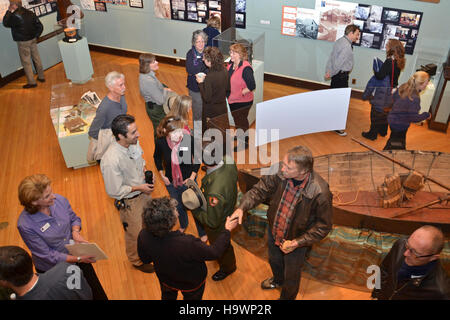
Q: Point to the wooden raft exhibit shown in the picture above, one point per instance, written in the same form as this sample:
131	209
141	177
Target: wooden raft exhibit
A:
364	227
355	176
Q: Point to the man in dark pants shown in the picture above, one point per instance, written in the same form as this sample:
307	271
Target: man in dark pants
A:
25	29
299	215
219	194
412	270
340	63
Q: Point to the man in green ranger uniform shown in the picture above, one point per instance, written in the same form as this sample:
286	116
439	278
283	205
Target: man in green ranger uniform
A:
213	204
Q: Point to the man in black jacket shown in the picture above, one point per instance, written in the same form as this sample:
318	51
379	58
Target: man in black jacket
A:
25	29
412	270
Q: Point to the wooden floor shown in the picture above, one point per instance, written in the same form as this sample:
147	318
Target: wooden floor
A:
29	145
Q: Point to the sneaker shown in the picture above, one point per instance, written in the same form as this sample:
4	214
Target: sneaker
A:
146	268
269	284
28	86
367	135
342	133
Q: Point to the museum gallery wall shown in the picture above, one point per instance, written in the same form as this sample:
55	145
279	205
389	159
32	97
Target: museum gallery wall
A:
39	7
196	10
327	21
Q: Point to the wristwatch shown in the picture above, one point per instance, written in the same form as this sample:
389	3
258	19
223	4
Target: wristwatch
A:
78	259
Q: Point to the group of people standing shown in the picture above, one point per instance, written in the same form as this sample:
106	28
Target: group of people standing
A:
390	106
300	211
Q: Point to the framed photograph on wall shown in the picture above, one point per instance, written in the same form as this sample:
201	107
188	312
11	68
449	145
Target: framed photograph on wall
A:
136	3
100	6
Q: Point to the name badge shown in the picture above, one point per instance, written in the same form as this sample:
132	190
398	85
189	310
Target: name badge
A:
45	227
184	148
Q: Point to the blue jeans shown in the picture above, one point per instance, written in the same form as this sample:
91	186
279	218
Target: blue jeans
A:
286	268
175	193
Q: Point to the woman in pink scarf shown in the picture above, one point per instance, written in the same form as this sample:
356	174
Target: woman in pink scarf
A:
174	159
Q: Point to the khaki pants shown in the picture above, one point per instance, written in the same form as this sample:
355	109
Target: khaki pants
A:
28	50
131	218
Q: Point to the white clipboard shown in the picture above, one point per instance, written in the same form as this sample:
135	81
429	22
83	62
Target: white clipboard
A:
86	249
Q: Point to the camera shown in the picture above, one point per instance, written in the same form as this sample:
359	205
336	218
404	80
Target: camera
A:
120	204
149	177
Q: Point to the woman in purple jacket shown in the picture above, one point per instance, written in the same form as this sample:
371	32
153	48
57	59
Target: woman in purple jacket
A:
405	110
47	224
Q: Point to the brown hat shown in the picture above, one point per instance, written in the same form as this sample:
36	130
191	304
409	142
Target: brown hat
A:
167	105
193	197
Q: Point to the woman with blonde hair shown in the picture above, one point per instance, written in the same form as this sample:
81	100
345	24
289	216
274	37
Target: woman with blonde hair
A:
405	109
47	224
242	82
391	68
180	106
212	30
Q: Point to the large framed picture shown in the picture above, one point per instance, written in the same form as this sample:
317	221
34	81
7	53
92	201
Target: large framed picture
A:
136	3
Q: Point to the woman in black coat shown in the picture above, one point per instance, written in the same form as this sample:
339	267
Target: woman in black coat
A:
179	259
214	86
391	68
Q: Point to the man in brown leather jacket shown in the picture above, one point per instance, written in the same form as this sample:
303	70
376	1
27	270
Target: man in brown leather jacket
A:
299	215
412	270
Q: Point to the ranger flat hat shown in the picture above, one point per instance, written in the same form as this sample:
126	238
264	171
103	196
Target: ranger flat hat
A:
167	105
193	197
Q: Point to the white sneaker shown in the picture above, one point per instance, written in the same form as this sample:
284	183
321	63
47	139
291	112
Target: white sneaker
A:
342	133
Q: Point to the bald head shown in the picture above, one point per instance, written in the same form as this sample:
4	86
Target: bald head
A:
424	246
431	238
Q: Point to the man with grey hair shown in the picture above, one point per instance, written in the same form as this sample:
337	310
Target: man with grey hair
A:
111	106
299	215
412	270
25	29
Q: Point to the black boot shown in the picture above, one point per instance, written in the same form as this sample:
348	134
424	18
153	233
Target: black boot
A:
369	135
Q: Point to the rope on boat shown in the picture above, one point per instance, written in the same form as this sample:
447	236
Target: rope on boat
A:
337	195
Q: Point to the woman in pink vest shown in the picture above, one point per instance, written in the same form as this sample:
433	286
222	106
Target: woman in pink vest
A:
242	84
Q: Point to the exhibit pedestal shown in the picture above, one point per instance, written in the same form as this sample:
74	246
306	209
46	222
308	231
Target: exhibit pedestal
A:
258	71
77	60
74	150
72	109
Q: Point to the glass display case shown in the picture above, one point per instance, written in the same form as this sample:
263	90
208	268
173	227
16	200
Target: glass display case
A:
253	42
72	110
423	58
